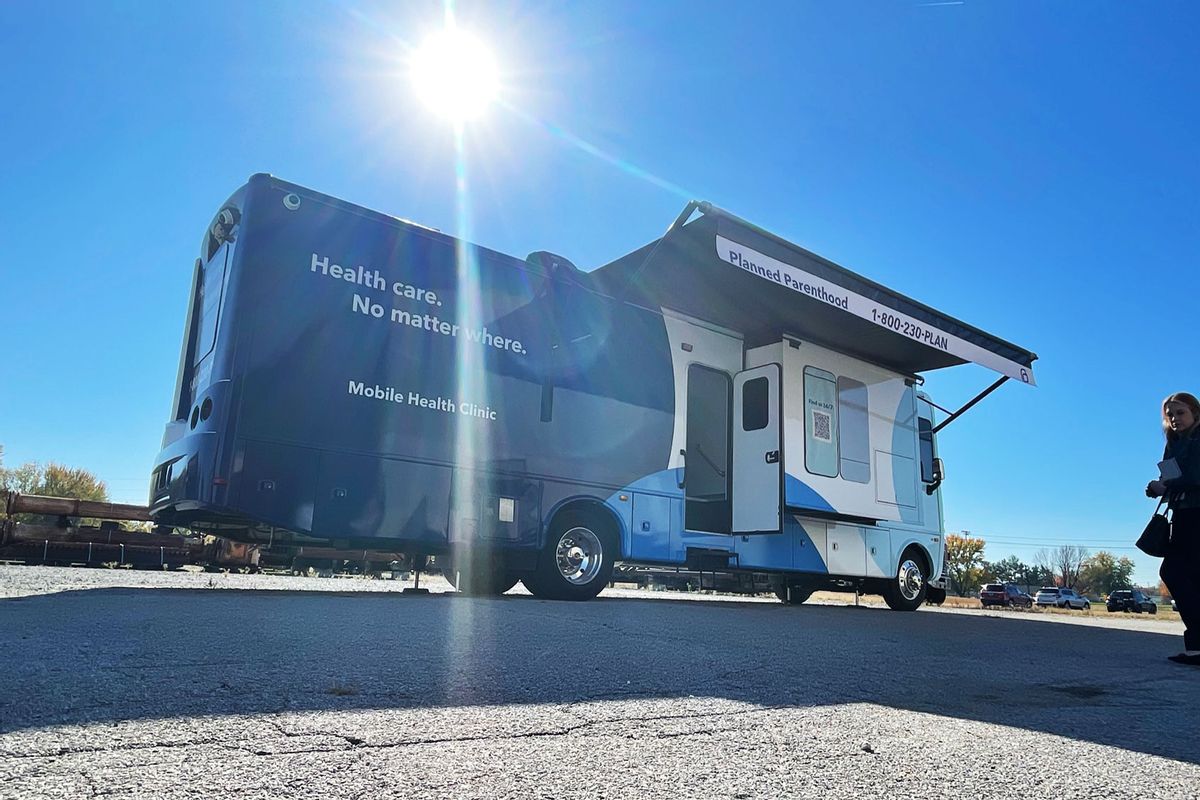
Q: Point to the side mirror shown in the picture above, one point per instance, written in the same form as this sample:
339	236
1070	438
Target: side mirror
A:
939	475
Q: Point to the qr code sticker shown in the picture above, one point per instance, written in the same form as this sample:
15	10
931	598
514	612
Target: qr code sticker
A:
822	427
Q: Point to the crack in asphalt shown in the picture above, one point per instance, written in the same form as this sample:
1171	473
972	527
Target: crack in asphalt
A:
356	743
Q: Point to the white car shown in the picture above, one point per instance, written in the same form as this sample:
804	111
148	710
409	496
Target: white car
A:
1061	598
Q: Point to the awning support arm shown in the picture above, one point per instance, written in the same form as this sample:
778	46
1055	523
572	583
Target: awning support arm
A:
975	400
683	217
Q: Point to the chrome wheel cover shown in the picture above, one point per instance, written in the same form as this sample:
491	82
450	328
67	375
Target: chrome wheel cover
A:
911	579
579	556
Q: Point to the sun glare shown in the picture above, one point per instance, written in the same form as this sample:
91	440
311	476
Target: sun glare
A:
455	74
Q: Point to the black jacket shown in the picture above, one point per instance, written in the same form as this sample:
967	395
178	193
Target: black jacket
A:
1184	491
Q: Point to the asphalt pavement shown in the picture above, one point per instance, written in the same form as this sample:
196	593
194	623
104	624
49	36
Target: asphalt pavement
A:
197	691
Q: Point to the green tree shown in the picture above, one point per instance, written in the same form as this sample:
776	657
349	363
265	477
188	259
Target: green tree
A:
52	480
1008	570
1104	572
964	562
1014	570
1035	576
24	479
60	481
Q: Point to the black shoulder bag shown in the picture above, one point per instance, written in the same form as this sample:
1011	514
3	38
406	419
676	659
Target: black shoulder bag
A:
1155	540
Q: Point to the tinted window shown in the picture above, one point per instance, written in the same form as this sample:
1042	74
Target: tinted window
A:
925	434
212	280
853	430
754	404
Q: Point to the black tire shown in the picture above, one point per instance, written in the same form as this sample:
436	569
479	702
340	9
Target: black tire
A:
906	591
577	561
1153	609
797	596
477	575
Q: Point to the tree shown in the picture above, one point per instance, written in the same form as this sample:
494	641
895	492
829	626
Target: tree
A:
24	479
1008	570
1063	563
1104	572
60	481
1014	570
52	480
1034	576
964	562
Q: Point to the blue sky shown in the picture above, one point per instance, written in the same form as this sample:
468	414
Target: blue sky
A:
1029	167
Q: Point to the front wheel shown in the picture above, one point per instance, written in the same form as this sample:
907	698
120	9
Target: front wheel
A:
907	591
576	563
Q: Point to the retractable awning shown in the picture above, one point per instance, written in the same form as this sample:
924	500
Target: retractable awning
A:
725	270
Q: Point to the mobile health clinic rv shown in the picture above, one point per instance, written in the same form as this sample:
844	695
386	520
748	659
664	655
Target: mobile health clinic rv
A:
719	399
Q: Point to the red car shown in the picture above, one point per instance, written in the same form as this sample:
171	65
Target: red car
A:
1004	594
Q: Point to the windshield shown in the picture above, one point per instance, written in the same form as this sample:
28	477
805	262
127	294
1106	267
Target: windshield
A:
993	587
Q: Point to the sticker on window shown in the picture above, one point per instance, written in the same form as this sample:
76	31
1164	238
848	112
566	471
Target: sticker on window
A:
822	426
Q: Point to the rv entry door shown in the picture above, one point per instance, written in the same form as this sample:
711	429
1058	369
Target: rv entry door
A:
757	451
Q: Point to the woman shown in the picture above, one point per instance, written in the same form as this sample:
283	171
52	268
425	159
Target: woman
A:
1181	566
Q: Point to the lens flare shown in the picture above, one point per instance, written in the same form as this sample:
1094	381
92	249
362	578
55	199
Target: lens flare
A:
455	74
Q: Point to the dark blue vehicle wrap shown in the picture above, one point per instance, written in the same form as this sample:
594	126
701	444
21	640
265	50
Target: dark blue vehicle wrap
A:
371	380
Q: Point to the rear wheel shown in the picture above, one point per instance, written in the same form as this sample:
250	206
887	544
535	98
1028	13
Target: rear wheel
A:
476	574
577	561
906	592
793	594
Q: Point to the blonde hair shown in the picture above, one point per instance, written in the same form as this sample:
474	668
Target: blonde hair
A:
1186	398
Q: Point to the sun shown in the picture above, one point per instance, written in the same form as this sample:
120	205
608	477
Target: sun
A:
455	74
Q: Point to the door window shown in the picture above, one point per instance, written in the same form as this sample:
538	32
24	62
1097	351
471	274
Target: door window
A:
755	404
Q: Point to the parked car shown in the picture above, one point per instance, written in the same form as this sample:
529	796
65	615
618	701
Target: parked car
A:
1003	594
1061	598
1131	600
